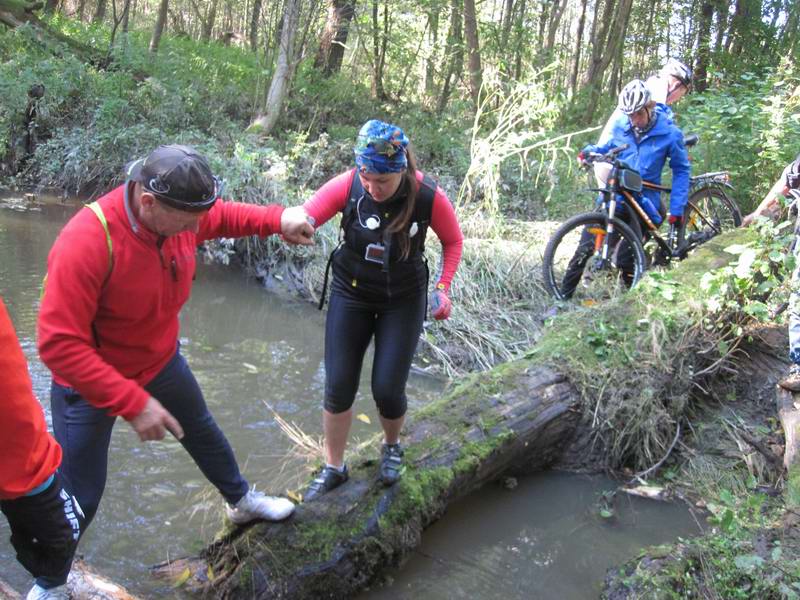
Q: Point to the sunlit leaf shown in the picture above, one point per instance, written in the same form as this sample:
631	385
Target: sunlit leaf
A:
363	418
182	578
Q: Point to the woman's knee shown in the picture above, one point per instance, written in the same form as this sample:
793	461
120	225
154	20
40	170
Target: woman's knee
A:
336	404
390	404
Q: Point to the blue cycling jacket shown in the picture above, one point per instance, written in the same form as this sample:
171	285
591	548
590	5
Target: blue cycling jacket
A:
648	155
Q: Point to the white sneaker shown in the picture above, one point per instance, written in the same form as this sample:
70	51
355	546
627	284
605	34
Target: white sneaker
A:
256	505
56	593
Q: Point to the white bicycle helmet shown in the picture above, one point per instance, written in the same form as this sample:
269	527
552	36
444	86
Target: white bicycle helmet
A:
678	70
634	96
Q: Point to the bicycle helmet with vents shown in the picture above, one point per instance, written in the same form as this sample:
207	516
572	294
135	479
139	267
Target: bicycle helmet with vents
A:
678	70
634	96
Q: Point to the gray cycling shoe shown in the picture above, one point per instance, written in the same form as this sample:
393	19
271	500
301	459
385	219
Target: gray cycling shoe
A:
391	464
327	480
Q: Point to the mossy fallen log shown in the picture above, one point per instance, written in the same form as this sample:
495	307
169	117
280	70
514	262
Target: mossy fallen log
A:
83	584
543	410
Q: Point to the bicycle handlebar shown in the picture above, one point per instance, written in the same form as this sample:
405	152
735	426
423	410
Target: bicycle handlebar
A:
608	157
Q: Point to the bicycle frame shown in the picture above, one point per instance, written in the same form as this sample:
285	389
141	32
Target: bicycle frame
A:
610	200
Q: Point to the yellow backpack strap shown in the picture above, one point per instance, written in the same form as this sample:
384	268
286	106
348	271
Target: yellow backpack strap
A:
95	208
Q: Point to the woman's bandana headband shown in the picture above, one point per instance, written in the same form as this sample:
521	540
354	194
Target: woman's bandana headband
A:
381	148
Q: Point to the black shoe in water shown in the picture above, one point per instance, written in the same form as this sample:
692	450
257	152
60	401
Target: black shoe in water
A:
391	464
326	481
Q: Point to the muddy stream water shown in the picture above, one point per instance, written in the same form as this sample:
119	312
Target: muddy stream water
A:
249	348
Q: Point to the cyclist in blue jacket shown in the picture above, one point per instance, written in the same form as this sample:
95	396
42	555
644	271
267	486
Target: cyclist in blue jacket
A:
651	138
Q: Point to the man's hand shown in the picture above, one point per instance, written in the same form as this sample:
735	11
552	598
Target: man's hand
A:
154	422
295	226
770	207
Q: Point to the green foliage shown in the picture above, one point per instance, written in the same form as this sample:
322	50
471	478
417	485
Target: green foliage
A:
743	289
748	124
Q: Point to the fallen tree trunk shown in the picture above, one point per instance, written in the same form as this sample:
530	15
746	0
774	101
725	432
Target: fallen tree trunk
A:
520	417
333	547
83	584
15	13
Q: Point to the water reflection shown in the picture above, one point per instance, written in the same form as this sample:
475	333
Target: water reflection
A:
248	347
543	540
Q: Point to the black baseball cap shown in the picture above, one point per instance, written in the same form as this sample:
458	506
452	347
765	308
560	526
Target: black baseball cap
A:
178	176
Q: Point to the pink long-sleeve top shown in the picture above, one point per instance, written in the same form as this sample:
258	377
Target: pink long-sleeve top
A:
332	198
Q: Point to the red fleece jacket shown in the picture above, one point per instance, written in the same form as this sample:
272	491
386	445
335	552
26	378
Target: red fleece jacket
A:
29	453
107	335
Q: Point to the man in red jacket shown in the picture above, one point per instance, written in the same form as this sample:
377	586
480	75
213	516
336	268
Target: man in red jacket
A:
117	276
45	520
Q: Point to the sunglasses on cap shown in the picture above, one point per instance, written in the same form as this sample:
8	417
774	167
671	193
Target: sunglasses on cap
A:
380	145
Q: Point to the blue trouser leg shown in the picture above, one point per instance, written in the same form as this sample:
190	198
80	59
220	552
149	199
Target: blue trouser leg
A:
84	433
177	390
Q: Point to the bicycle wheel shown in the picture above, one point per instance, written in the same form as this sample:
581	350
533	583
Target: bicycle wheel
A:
709	212
573	266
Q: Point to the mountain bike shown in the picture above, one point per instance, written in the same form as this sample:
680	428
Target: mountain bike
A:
597	254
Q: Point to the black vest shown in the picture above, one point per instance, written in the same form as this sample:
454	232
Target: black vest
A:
368	263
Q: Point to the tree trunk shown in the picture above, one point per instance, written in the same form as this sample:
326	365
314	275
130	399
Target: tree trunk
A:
611	35
159	26
208	22
507	22
254	19
473	50
126	16
51	6
430	58
15	13
278	88
556	12
453	55
100	11
703	46
521	30
334	37
83	584
380	39
573	78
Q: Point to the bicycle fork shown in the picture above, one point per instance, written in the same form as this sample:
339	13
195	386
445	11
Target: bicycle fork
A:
602	237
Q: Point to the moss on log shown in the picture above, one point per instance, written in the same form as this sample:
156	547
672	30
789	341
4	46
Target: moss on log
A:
523	416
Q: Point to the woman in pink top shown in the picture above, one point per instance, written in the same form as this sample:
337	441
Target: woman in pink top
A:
379	287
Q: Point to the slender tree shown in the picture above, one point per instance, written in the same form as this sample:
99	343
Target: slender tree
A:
158	29
334	36
453	56
473	50
255	16
279	86
100	11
